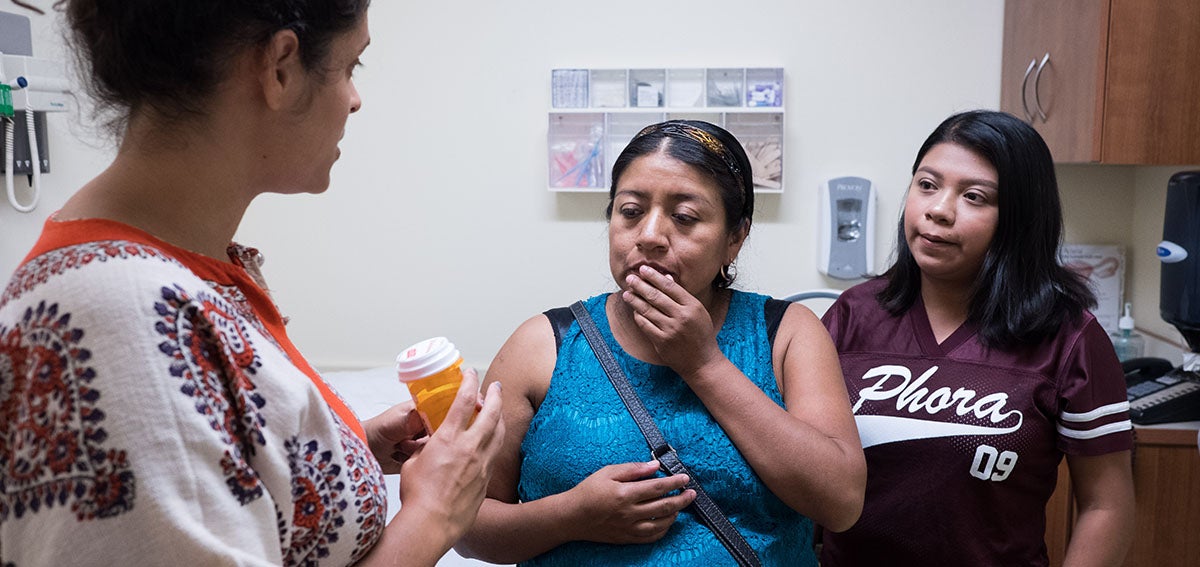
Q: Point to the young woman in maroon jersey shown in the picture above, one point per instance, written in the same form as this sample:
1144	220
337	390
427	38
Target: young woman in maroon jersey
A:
973	366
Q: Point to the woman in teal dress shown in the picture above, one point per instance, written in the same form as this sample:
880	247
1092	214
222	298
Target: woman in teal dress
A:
746	388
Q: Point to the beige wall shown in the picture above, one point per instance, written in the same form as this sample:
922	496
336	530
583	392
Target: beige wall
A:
450	150
438	221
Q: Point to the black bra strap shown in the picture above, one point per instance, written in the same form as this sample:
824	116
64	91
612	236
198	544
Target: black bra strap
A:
560	320
773	311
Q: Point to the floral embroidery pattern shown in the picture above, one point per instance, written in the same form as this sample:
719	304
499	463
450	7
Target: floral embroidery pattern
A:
318	504
39	270
237	299
370	495
210	351
52	439
63	461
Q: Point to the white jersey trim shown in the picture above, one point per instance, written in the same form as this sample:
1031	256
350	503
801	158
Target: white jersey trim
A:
1101	411
883	429
1093	433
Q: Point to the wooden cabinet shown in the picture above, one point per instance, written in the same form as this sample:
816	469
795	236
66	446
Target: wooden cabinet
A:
1166	477
1109	81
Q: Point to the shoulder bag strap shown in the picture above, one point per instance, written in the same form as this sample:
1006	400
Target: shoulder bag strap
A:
660	450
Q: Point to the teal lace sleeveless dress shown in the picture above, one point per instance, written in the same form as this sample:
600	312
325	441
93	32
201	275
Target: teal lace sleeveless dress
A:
583	426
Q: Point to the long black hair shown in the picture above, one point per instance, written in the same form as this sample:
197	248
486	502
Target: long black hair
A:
1022	293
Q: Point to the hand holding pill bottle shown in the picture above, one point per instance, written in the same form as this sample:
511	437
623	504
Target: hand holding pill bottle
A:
432	370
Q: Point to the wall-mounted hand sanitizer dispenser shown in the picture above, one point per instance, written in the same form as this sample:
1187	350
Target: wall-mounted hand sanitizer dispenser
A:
847	228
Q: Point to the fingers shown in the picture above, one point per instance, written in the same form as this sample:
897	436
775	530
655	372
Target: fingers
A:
656	288
486	433
642	486
392	435
488	422
650	530
630	504
491	408
649	313
397	423
670	505
629	472
463	408
667	507
658	516
659	486
407	448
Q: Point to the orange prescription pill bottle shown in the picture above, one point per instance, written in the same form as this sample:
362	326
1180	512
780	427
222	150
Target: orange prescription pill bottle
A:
432	371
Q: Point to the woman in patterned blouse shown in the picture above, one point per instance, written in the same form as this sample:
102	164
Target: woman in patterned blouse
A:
154	410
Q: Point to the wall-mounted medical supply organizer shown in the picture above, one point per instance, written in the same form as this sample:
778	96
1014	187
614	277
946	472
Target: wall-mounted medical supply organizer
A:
596	112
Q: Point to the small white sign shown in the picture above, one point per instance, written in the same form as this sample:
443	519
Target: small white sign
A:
1104	267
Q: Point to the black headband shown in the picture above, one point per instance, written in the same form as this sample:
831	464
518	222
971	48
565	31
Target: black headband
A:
704	138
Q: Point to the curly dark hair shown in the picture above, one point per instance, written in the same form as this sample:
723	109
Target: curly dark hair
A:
169	55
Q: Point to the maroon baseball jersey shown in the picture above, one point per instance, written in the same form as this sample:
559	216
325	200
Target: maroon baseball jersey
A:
963	442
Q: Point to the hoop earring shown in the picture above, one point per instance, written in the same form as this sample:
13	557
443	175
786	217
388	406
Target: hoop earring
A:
728	274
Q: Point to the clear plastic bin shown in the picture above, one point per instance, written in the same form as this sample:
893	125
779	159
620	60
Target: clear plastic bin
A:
685	88
569	88
576	150
764	87
620	130
647	88
607	88
723	87
761	135
596	112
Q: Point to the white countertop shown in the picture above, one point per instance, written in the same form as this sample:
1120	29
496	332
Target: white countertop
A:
1175	425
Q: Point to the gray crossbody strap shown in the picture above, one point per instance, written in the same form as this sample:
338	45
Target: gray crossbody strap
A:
708	511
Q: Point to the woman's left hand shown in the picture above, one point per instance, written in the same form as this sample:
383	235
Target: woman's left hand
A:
395	435
677	324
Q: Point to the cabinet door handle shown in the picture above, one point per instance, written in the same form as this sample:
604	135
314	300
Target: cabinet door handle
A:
1024	84
1037	81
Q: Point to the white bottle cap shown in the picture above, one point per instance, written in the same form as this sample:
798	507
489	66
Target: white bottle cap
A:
425	358
1126	321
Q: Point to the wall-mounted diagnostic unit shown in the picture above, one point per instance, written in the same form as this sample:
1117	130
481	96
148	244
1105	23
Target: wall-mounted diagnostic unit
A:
846	228
29	88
